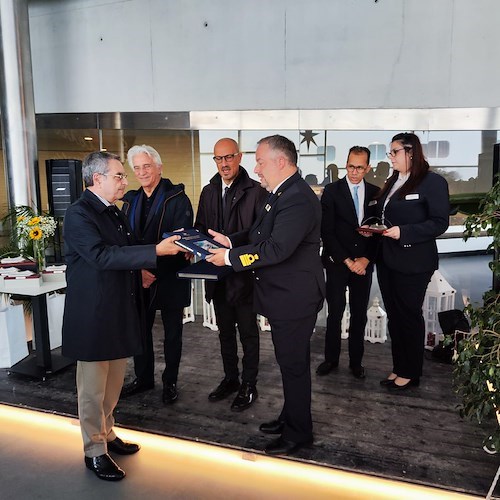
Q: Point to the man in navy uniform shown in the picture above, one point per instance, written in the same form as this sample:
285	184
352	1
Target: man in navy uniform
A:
348	258
282	250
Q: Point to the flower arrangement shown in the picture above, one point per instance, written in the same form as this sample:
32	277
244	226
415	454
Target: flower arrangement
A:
36	227
30	233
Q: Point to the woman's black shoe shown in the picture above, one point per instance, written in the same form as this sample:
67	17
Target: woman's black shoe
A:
387	381
413	382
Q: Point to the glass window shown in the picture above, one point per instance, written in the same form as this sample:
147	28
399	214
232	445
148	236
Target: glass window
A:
377	152
436	149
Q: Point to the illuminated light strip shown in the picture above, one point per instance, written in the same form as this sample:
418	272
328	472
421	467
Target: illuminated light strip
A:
273	477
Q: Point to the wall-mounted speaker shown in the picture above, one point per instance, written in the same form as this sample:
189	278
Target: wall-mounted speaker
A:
64	184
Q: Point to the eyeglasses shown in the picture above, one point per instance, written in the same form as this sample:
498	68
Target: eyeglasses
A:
218	159
118	176
394	152
358	169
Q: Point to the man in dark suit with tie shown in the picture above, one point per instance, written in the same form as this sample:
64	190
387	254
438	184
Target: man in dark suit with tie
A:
348	258
282	251
159	206
229	203
102	323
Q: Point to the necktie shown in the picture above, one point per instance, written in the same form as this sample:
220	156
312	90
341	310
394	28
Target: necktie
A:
356	200
224	198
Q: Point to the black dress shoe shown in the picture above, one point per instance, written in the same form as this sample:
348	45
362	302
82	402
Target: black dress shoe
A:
136	387
273	427
170	394
105	468
122	447
387	381
326	367
413	382
246	396
224	389
358	371
281	446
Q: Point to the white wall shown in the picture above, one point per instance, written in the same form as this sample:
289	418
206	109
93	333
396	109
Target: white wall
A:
185	55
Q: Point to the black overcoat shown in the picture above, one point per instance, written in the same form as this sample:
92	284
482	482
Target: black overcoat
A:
171	210
245	203
101	316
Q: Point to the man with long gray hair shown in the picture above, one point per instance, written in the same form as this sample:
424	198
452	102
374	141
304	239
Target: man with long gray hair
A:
158	206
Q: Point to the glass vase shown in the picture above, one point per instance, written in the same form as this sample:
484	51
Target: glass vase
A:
39	254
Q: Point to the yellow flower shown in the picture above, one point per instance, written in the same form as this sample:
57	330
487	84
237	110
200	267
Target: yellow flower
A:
36	233
34	221
21	218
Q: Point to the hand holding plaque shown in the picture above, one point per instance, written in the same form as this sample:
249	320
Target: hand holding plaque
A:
377	227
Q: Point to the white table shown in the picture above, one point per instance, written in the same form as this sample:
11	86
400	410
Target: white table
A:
41	362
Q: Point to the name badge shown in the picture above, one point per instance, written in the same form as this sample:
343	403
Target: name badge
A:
371	203
414	196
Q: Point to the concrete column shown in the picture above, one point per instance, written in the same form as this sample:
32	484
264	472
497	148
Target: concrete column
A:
17	105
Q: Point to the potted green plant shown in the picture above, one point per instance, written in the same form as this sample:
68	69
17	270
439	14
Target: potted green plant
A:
477	357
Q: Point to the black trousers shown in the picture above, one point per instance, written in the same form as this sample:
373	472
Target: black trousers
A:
403	296
338	278
291	339
144	364
228	318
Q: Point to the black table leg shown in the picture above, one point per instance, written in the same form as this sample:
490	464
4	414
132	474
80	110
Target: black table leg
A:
41	362
41	332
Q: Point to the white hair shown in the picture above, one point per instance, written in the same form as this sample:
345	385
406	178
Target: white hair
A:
150	151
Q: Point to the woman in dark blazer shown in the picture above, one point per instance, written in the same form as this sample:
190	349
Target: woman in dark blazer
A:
414	205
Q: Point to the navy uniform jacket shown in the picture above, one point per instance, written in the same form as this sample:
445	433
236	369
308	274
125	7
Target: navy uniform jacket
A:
101	316
171	210
283	252
422	216
339	223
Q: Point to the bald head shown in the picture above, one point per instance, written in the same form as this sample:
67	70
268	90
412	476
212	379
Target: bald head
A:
227	158
227	143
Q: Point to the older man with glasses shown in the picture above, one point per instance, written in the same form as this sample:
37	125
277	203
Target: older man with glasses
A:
103	313
229	204
348	258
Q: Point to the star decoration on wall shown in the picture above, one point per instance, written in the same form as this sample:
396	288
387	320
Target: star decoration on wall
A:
308	137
